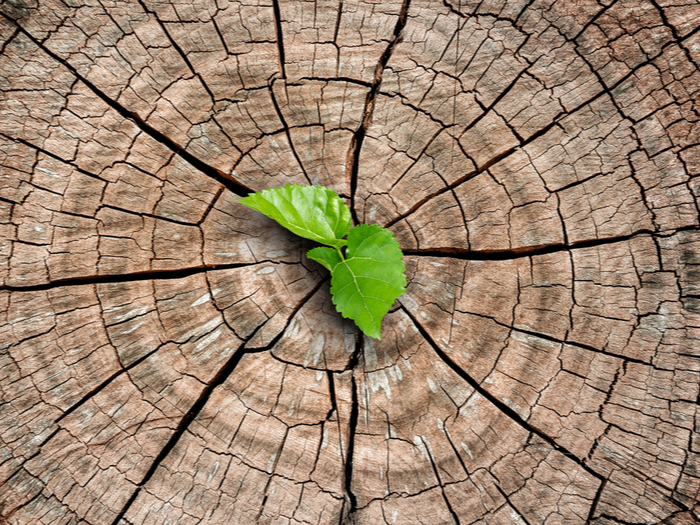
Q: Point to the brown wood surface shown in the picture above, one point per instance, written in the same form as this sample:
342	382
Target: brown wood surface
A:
170	357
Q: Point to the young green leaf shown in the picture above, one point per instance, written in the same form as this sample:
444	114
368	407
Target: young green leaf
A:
312	212
366	283
368	278
328	257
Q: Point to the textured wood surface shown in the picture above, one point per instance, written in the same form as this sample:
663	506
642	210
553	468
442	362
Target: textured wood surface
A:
170	357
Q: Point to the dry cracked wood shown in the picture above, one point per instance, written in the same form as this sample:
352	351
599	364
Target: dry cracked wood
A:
167	356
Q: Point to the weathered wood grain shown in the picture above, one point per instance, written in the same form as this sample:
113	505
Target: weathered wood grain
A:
169	356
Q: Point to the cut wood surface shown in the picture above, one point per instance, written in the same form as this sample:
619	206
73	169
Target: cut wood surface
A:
170	357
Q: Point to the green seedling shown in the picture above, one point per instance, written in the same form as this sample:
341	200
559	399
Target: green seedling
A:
367	273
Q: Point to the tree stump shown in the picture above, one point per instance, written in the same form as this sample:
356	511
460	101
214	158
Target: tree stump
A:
171	357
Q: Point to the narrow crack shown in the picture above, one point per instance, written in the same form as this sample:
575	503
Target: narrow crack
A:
453	514
285	126
130	277
505	409
350	503
223	374
99	388
278	337
233	185
604	91
280	41
184	424
266	490
58	158
353	156
596	500
177	48
529	251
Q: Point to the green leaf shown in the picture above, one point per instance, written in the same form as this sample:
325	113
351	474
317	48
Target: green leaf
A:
365	280
312	212
328	257
366	283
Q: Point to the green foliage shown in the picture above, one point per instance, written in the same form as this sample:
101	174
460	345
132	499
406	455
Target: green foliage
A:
368	277
312	212
365	283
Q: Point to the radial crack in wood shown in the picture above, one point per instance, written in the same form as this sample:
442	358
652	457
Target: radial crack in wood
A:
169	356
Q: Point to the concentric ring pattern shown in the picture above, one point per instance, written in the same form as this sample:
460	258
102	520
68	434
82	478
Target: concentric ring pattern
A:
168	356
